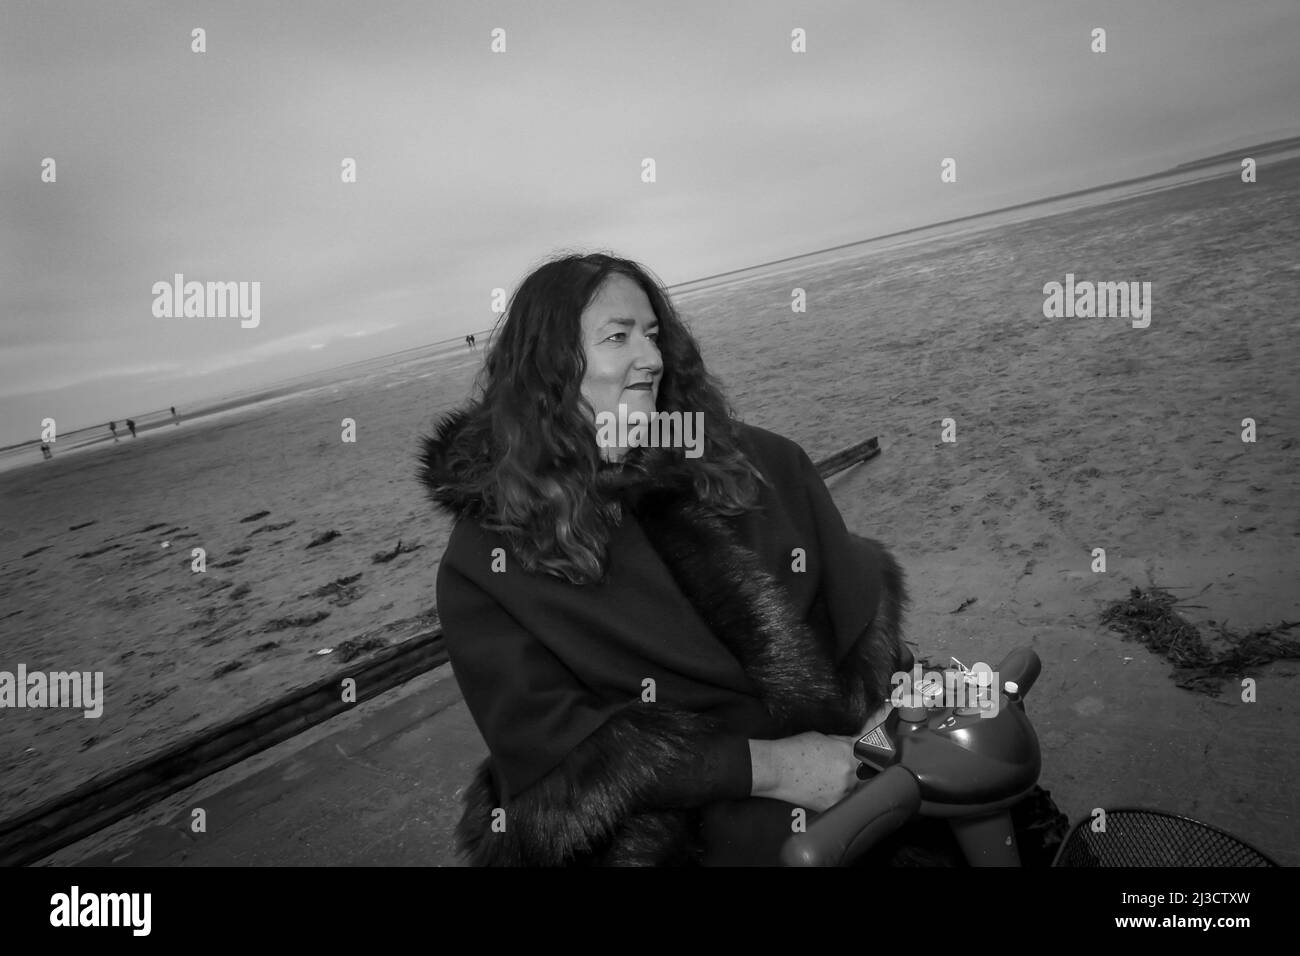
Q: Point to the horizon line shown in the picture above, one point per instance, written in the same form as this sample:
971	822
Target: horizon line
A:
1189	166
1186	167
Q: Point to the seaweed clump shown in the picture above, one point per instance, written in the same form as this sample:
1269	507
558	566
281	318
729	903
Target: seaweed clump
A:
1151	618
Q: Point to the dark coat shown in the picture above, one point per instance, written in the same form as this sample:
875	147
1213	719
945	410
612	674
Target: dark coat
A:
740	641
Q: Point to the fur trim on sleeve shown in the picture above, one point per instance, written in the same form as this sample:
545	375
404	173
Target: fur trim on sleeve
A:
602	805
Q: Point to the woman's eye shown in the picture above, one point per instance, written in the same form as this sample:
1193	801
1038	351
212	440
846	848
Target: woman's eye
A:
622	336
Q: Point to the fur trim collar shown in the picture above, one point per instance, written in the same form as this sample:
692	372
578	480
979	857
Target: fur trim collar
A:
457	465
746	608
456	462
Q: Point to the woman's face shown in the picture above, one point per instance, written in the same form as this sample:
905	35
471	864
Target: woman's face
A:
619	335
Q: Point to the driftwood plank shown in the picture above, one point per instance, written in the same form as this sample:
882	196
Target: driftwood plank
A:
107	798
863	451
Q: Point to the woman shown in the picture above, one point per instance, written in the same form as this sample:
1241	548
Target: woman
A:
666	652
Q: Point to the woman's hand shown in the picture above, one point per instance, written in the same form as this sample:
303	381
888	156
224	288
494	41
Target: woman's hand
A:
810	770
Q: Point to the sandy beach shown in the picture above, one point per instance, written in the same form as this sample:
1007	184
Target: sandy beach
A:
1072	434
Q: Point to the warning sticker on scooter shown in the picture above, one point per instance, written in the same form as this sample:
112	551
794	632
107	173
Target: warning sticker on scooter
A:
878	739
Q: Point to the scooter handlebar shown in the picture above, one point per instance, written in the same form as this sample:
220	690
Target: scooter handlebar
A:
1022	666
858	822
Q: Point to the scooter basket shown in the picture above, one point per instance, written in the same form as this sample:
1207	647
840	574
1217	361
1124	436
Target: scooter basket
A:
1138	837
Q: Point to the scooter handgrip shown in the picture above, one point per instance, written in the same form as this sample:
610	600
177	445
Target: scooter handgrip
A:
1022	666
858	822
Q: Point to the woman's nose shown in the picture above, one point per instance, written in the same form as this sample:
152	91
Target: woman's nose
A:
649	358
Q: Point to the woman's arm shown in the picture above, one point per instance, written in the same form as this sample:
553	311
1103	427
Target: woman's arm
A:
641	761
571	770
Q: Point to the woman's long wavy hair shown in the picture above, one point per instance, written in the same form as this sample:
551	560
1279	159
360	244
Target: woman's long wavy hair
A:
541	492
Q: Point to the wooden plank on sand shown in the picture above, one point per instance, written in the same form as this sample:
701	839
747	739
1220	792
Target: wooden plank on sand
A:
109	797
863	451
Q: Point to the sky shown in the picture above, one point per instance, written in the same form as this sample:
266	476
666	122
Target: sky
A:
473	166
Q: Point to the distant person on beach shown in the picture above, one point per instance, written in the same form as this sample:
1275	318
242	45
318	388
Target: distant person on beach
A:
469	340
175	418
112	426
45	451
131	425
658	683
